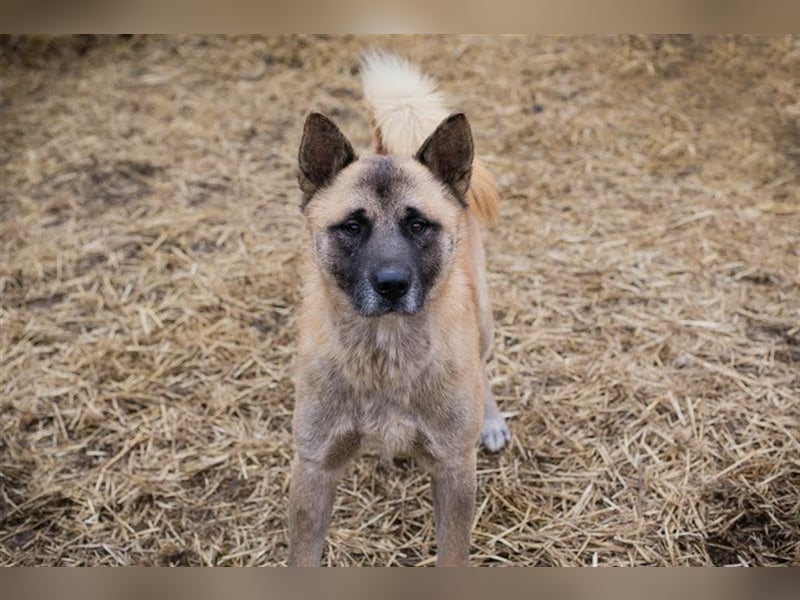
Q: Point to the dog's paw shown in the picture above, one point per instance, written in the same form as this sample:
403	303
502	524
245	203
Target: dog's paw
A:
495	433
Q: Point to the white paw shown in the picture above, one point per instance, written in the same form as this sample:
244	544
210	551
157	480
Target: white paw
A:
495	433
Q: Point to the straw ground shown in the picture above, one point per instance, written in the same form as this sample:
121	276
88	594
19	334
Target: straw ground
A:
644	274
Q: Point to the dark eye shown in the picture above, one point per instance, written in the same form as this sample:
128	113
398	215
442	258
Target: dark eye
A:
352	228
417	226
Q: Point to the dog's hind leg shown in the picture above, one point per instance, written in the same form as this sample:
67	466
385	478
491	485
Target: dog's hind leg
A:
495	433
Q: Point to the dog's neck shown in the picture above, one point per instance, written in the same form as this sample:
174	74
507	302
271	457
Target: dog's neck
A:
380	351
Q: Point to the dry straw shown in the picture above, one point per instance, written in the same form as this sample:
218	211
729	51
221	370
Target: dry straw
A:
644	274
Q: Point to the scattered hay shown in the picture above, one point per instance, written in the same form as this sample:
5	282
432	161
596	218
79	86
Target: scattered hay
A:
644	275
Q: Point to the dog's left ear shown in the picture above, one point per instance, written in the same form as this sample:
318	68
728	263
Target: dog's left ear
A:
448	154
324	151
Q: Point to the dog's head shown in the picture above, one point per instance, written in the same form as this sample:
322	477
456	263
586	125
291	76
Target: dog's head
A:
384	228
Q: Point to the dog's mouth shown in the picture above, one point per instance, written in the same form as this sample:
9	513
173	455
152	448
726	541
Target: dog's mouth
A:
392	310
368	303
378	311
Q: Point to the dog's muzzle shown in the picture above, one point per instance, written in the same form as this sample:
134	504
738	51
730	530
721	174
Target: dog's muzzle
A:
389	289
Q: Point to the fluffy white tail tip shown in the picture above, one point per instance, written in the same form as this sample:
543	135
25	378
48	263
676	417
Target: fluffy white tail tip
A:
404	102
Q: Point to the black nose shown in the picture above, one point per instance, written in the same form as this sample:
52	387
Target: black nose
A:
391	282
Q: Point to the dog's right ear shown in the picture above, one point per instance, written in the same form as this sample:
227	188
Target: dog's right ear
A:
324	151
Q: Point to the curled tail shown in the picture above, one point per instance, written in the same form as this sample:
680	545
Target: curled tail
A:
405	108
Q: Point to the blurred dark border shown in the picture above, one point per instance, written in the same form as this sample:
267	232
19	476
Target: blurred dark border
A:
366	584
400	16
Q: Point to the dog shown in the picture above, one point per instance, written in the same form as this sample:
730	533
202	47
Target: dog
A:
395	324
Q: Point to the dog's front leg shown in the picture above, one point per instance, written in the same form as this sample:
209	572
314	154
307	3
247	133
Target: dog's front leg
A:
454	487
311	496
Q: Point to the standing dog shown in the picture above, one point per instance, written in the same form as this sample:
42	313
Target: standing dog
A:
395	323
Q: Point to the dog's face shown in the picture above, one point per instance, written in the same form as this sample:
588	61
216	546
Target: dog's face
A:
384	228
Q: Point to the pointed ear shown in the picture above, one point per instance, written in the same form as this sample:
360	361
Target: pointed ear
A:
324	151
448	154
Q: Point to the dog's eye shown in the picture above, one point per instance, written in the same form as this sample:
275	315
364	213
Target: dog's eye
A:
417	226
352	228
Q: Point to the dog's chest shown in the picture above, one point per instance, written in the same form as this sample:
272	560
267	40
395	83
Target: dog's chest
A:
391	431
384	355
388	366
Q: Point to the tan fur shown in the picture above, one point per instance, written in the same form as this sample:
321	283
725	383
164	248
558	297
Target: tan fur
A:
483	197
